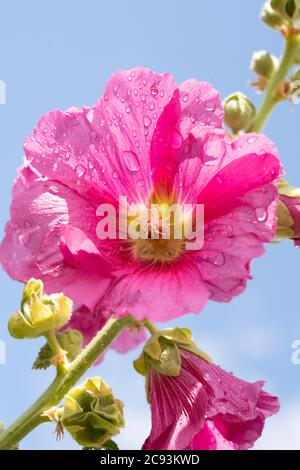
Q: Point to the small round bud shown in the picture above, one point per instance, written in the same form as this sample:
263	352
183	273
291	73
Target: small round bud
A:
264	64
91	413
239	112
287	9
271	17
39	313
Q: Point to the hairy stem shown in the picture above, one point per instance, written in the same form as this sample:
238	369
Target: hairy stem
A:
63	382
271	97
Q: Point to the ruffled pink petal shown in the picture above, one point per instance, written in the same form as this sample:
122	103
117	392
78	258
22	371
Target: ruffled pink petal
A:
132	103
293	205
178	406
194	106
237	408
210	438
85	275
215	171
201	107
40	211
77	149
15	259
157	295
234	240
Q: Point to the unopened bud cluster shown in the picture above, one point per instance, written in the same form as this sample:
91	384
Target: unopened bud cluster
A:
39	312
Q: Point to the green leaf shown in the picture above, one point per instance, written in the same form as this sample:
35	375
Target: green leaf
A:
43	360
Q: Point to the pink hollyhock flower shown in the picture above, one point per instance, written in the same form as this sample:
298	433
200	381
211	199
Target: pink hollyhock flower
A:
206	408
145	138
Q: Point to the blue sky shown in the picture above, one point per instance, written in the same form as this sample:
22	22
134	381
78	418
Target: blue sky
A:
58	54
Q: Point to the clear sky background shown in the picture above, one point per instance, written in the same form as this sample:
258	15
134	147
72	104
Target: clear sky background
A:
56	54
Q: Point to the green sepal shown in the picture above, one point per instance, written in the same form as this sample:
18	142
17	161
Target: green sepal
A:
70	340
162	352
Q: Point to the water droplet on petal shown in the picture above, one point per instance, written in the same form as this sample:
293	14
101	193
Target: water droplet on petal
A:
210	107
261	214
185	98
154	90
128	110
115	175
80	171
147	121
131	160
219	260
251	140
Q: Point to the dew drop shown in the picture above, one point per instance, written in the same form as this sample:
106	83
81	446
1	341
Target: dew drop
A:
131	160
251	140
128	110
80	171
147	121
185	98
210	107
115	175
261	214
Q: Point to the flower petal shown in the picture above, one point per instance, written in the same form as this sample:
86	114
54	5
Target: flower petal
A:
178	406
157	295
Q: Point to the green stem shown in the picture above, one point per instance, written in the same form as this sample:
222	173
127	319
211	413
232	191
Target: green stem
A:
59	353
63	382
150	327
271	98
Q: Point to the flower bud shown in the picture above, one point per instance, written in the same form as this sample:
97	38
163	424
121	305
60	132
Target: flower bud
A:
287	9
264	64
39	313
271	17
162	352
91	413
239	112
